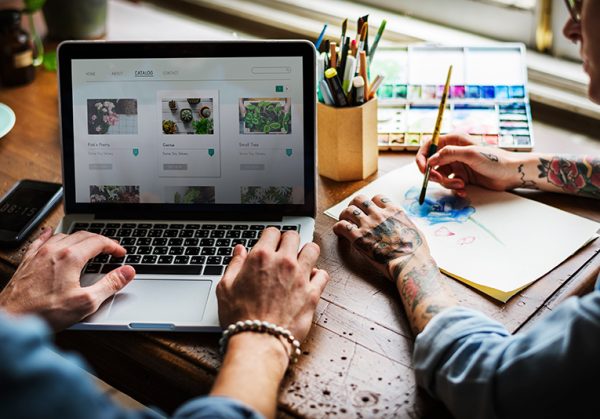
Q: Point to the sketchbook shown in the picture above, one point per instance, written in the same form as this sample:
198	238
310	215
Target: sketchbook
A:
496	242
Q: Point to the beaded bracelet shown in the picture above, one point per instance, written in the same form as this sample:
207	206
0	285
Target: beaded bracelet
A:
261	327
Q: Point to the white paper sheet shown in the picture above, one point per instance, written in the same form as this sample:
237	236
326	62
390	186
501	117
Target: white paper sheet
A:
497	242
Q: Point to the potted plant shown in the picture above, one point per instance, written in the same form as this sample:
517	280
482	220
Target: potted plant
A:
31	7
75	19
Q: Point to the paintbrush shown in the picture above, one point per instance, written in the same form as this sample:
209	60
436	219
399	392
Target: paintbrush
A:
363	37
436	135
359	24
366	46
344	27
332	55
344	57
377	38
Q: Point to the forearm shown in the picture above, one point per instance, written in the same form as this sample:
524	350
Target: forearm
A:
422	291
252	370
576	175
474	365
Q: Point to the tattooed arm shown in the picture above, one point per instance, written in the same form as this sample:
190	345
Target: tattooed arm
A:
576	175
392	243
459	162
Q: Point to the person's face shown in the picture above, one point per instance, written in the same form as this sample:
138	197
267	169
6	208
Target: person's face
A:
587	33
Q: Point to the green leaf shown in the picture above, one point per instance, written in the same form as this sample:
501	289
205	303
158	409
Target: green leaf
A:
50	61
32	6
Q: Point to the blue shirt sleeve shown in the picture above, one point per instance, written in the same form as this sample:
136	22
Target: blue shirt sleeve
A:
479	370
215	407
35	381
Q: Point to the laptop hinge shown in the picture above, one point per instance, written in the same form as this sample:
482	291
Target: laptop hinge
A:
190	217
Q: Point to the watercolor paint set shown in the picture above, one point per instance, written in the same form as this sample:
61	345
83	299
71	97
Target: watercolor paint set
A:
488	96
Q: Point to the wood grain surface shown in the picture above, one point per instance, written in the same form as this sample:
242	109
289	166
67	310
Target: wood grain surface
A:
357	360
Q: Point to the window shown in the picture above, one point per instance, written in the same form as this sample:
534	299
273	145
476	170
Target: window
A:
554	82
495	19
506	20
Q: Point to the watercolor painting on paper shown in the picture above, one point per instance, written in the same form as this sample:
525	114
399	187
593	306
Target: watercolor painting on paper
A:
497	242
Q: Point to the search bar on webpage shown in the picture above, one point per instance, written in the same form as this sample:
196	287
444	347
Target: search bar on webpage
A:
271	70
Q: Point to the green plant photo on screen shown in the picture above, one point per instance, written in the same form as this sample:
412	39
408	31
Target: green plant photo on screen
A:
266	117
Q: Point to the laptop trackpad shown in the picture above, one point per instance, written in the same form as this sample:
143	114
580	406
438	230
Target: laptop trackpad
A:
176	302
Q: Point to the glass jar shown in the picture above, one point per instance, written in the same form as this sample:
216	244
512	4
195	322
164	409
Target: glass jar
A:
16	50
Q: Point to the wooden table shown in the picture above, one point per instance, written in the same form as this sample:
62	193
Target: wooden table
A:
357	358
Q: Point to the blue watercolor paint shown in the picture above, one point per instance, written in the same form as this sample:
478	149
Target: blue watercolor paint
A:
473	92
488	92
501	92
517	92
439	206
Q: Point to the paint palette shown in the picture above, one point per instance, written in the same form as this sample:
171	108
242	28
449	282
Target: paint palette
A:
488	96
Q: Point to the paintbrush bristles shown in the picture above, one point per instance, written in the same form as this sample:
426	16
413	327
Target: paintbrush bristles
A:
363	32
344	27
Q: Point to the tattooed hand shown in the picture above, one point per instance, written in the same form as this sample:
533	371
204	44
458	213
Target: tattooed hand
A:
460	162
382	232
393	244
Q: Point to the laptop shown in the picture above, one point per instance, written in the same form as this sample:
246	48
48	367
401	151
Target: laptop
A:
180	151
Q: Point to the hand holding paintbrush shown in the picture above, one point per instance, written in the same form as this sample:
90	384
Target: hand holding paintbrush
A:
436	135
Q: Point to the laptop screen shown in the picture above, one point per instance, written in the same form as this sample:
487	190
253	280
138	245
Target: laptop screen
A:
188	130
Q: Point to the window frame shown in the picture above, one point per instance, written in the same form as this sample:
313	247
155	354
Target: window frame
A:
484	18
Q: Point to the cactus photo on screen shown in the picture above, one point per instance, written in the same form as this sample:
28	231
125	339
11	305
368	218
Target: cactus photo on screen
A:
193	116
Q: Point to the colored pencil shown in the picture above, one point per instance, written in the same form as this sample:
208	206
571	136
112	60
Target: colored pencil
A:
436	135
320	38
363	71
353	47
332	55
374	86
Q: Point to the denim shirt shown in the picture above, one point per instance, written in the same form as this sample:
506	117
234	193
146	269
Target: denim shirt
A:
37	382
479	370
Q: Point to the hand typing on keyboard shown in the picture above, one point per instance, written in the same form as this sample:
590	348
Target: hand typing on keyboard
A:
273	283
174	249
47	281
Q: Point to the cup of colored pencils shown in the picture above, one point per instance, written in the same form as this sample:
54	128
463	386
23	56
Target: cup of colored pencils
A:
343	67
347	108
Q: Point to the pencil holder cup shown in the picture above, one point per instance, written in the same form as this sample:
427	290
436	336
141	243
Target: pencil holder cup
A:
347	141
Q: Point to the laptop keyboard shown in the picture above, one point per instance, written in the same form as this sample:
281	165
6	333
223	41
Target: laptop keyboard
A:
174	249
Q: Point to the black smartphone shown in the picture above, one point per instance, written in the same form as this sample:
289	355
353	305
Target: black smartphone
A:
24	206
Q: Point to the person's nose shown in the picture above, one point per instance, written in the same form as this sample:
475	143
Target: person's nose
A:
572	31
